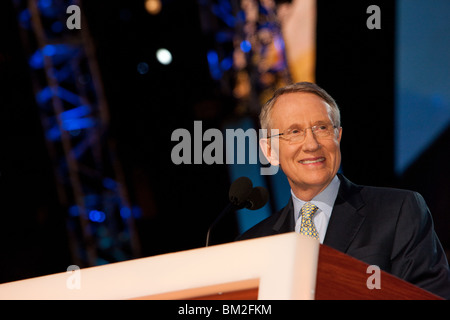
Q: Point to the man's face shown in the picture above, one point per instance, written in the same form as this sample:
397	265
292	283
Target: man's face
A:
309	165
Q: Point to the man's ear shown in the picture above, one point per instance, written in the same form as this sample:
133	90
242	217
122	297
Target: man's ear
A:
339	137
269	147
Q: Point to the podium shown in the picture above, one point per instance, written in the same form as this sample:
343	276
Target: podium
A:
281	267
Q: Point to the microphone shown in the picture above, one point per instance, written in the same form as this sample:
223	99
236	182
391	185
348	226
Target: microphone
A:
242	195
257	198
240	191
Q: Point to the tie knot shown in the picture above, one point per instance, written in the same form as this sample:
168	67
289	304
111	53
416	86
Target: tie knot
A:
308	210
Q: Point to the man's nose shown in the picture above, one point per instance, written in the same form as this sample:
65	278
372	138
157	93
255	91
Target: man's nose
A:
310	143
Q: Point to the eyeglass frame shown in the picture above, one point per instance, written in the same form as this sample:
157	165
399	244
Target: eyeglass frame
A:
304	132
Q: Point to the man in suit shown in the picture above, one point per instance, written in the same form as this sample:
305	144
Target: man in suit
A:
390	228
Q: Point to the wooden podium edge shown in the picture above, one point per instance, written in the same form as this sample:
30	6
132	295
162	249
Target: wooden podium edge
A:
342	277
339	277
237	290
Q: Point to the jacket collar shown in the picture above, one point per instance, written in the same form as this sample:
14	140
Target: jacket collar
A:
345	220
285	222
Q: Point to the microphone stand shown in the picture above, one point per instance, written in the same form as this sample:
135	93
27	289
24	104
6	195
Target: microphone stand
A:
228	208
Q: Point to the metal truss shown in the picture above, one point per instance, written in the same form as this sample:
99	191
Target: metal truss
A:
75	118
246	53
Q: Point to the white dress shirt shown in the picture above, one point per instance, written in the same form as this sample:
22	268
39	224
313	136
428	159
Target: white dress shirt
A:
324	201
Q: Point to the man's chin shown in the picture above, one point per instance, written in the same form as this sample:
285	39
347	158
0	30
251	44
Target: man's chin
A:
313	182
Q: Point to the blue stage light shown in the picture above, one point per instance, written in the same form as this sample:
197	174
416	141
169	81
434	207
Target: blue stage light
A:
53	134
246	46
44	4
73	211
63	73
25	19
77	124
58	52
44	95
36	60
49	50
97	216
69	96
109	183
77	112
125	212
223	10
142	67
47	8
226	63
213	61
213	58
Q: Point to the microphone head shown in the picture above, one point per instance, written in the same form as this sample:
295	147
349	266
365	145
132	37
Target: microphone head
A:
258	198
240	190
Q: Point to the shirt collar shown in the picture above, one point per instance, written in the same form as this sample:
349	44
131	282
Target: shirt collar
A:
324	200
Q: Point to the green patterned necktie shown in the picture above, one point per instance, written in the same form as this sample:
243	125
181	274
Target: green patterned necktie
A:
307	227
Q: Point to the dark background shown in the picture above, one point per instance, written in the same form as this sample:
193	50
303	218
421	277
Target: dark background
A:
354	64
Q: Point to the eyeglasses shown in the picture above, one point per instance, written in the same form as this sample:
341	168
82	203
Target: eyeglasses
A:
321	131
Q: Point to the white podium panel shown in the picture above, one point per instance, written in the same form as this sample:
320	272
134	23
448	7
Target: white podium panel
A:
281	267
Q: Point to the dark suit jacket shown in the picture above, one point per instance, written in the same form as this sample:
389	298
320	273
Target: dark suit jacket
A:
390	228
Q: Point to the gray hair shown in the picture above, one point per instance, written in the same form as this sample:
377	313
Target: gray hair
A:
306	87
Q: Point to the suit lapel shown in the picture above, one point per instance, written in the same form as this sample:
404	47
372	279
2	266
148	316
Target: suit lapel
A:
285	222
345	221
346	218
